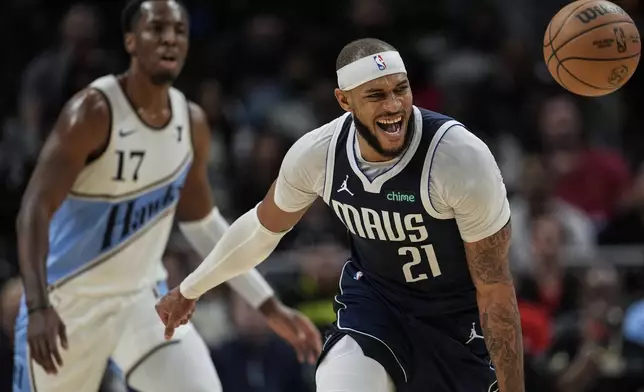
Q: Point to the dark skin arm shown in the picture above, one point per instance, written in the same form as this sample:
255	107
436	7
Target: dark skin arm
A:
81	129
196	200
196	203
488	264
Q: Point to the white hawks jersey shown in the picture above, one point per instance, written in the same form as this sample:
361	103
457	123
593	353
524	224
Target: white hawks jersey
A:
110	233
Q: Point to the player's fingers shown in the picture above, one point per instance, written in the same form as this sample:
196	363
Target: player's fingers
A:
55	353
312	333
313	340
62	335
52	347
173	322
169	332
300	351
45	352
163	315
34	351
299	343
296	340
187	318
303	350
40	347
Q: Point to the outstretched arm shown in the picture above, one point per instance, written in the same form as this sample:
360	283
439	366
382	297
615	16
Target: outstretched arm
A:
254	236
245	244
203	225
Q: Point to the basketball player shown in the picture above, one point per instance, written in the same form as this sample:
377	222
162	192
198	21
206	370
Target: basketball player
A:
426	209
125	154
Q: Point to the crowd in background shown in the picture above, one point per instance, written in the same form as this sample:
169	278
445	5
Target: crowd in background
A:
264	74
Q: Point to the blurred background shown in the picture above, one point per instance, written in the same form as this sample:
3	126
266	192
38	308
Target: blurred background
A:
264	73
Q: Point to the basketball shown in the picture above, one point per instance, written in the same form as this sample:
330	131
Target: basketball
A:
591	47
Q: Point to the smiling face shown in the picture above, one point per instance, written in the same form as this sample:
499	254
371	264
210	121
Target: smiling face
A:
381	110
159	40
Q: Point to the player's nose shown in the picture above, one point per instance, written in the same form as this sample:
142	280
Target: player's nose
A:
169	37
393	103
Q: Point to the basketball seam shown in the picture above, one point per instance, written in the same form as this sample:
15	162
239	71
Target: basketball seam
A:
554	52
593	59
585	83
559	77
563	24
558	62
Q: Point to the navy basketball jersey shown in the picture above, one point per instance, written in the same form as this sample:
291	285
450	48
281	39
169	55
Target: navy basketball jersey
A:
413	260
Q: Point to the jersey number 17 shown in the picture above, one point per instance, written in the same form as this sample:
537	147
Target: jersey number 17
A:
134	161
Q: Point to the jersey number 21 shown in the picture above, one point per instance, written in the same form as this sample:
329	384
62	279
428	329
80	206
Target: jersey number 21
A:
417	258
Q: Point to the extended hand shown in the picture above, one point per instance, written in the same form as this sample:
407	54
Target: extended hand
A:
45	328
295	328
174	310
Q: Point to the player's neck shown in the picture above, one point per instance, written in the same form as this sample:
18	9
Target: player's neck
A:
143	93
368	153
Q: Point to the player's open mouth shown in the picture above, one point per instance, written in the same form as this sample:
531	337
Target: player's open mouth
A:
391	126
169	61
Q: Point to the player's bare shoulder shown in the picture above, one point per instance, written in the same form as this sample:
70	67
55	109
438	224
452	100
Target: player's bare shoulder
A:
199	126
85	121
88	106
200	133
82	131
197	115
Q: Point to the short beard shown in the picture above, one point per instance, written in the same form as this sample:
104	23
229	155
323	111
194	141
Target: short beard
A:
163	79
373	142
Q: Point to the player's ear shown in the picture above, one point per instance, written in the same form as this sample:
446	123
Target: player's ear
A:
343	99
130	43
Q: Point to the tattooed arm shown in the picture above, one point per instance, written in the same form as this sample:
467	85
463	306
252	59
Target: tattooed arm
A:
488	263
466	178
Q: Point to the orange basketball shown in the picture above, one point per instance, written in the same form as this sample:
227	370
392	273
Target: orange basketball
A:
591	47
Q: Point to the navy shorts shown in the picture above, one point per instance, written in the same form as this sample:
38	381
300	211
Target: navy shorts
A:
439	354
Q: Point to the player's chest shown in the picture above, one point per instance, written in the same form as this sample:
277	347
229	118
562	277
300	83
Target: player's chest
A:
138	153
394	213
138	159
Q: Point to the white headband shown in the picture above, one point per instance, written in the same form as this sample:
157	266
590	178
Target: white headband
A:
369	68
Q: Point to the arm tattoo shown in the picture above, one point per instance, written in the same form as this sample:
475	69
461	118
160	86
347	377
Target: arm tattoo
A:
502	330
488	258
500	320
